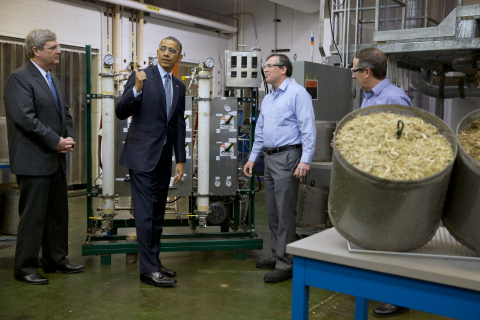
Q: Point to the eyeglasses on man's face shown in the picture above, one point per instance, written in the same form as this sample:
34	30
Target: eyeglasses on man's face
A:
170	49
270	66
354	71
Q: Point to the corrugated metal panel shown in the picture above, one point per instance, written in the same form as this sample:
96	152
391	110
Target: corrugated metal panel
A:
71	73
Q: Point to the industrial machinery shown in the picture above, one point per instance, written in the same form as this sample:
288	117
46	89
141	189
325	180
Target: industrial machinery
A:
217	193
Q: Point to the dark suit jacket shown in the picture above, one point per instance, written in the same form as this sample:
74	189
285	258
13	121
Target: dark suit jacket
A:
144	142
34	124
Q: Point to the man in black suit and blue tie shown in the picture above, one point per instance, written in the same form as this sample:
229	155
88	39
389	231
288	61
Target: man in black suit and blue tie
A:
156	101
40	133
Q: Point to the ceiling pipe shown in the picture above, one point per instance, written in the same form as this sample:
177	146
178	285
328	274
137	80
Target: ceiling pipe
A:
439	86
468	65
224	28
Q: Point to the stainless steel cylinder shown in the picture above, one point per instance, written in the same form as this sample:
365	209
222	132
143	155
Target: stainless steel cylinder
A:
461	214
323	150
383	214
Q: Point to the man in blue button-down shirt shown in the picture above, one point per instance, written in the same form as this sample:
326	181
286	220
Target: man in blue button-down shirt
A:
286	128
370	70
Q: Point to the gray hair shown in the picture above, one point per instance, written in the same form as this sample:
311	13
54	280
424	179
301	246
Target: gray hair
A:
373	59
175	40
38	38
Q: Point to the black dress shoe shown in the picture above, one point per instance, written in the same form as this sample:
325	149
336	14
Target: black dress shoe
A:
157	279
168	272
68	268
33	278
277	275
267	263
386	310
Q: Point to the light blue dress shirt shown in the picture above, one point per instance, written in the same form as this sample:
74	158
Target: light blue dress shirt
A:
286	118
136	94
385	93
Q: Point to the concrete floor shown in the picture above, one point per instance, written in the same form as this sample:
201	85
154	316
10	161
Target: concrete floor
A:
211	285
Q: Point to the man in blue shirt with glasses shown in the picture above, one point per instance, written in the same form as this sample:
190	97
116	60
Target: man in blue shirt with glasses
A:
286	128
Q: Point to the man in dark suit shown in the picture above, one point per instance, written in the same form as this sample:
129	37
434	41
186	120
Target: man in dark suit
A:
40	133
156	101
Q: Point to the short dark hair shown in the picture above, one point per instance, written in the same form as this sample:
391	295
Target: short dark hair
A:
283	60
373	59
38	38
173	39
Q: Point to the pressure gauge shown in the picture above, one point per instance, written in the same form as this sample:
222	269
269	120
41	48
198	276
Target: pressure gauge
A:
154	61
217	183
108	60
228	183
227	108
209	62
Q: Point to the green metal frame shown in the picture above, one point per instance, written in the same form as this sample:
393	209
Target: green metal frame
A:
105	246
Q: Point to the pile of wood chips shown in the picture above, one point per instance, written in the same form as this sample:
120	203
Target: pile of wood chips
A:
470	140
370	144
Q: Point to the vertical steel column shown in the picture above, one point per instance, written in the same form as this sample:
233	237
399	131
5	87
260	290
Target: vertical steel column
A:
251	207
88	76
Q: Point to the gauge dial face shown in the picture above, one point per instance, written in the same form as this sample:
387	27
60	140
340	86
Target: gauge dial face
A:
108	59
155	61
209	62
217	183
227	108
228	183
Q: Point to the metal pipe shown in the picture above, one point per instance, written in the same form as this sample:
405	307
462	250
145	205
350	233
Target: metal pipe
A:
140	23
445	87
347	39
175	15
369	8
275	30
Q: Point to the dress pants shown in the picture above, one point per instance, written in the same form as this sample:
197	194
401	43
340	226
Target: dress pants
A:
149	195
281	195
43	209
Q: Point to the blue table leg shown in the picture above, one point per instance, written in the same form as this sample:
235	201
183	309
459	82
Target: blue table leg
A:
300	292
361	308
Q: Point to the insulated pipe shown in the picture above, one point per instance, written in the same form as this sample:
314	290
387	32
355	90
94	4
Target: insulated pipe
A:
445	87
468	65
203	204
225	28
116	40
108	145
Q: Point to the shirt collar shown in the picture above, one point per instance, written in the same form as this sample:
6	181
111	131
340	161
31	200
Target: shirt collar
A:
163	72
283	86
380	86
43	72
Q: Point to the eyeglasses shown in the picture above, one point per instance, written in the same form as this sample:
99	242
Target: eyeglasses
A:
171	50
270	66
54	48
355	70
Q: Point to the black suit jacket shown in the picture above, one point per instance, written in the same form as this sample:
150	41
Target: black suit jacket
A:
34	124
145	139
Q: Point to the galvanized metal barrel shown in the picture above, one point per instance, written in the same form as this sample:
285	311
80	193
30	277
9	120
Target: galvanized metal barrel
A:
461	214
323	150
383	214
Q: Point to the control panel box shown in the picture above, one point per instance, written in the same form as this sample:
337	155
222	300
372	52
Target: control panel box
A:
223	146
243	69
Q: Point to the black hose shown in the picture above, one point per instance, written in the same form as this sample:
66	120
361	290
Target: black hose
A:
259	184
174	200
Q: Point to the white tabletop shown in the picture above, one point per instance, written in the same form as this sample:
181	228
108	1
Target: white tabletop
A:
330	246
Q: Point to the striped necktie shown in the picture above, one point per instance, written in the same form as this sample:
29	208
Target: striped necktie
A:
168	94
52	87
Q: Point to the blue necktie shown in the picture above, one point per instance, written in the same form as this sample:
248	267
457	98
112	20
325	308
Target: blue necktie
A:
168	94
52	87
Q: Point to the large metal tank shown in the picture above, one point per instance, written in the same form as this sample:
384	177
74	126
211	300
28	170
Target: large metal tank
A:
461	214
383	214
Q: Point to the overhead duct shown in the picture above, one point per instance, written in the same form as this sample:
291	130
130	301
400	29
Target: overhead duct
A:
307	6
224	28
